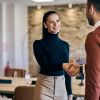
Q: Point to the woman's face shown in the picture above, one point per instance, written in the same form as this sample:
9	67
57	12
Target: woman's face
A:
53	23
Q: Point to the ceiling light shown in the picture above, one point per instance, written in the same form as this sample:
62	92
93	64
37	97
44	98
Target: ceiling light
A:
70	5
38	6
42	0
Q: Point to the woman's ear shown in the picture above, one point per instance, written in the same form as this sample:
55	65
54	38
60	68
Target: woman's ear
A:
45	25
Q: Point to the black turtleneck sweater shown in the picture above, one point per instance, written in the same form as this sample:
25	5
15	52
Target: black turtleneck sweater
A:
51	52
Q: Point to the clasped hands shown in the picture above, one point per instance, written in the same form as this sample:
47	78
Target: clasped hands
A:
72	68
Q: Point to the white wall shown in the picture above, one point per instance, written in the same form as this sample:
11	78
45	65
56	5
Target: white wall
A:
4	35
14	35
0	38
21	35
10	34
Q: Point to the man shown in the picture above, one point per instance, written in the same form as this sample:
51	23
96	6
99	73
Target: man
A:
92	47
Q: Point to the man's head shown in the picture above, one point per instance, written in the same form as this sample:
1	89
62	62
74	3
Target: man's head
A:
93	11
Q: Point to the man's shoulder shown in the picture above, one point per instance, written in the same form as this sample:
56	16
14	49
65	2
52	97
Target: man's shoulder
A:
94	35
97	30
97	36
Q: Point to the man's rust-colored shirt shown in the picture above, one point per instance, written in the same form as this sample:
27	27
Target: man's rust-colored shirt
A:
93	57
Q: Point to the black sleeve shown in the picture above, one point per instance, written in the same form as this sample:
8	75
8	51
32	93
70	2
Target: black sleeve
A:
67	56
68	83
39	54
67	77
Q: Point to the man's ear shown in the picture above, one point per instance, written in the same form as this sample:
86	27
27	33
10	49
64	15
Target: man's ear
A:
91	10
45	25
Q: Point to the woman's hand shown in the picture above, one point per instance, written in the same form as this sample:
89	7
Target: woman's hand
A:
70	97
72	68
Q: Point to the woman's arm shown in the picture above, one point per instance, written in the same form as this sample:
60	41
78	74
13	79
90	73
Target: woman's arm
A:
40	54
68	86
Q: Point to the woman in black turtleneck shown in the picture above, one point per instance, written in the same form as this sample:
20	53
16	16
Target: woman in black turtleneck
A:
51	52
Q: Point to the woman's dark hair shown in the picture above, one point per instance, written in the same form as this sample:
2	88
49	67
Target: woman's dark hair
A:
95	3
46	15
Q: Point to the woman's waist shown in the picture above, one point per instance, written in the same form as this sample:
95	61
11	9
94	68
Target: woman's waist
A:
51	77
52	73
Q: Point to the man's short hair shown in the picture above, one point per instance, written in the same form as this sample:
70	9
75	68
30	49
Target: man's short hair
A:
95	3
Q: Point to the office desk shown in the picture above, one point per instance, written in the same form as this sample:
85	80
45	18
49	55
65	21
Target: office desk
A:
8	89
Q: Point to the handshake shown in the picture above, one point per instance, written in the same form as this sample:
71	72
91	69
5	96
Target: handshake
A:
72	68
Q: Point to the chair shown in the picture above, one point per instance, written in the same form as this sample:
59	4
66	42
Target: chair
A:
7	71
23	93
10	72
20	72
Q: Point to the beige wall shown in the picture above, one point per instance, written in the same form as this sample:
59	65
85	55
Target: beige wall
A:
74	30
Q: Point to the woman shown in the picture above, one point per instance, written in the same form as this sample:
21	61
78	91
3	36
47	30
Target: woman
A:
51	52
